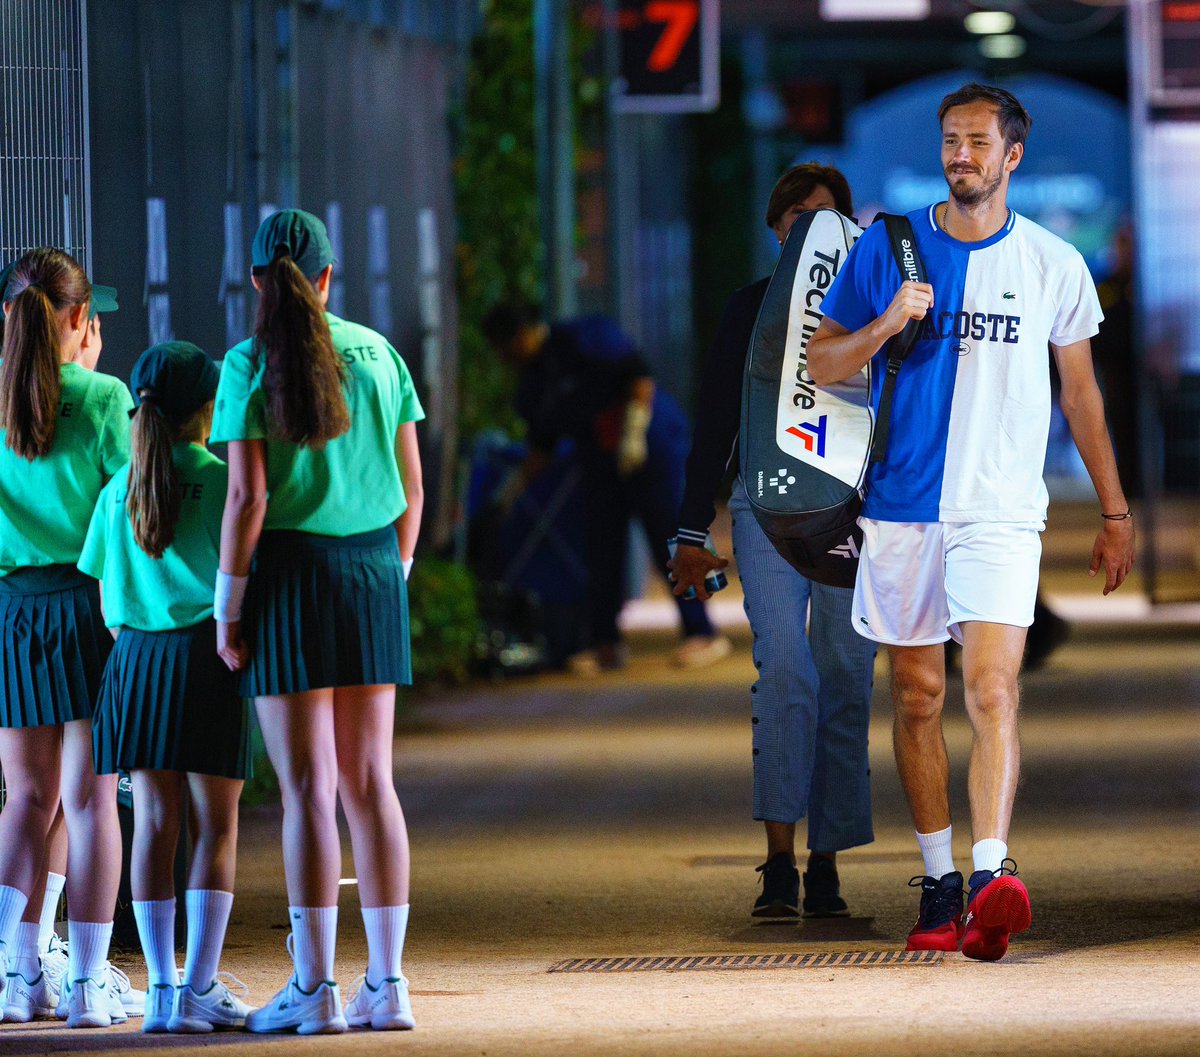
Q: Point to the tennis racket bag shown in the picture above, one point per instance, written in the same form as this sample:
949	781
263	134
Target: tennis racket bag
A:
805	448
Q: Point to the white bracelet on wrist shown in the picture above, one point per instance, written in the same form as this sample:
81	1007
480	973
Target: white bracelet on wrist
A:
407	565
228	597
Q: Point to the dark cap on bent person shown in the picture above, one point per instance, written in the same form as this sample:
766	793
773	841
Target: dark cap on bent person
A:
292	233
176	376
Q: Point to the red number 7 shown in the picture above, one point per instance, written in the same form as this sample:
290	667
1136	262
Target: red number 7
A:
679	19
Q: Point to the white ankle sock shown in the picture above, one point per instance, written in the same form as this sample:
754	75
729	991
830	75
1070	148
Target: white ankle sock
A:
207	915
935	850
12	906
55	882
25	958
988	854
156	928
89	948
385	941
314	937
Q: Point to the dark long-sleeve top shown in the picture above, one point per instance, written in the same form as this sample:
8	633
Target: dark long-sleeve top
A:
718	413
584	372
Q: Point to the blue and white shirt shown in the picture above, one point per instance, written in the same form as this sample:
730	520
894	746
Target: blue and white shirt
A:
971	409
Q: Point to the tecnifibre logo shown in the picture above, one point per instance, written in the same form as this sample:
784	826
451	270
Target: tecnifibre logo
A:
808	432
910	260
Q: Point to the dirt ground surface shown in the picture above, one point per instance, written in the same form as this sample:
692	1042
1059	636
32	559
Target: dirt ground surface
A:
557	819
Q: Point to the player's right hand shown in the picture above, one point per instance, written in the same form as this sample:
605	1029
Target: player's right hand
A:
912	301
231	646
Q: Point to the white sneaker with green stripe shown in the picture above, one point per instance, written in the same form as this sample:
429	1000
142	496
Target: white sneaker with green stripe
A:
384	1008
26	1000
315	1012
199	1012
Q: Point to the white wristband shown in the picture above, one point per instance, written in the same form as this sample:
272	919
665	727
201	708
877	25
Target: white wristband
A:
228	597
407	563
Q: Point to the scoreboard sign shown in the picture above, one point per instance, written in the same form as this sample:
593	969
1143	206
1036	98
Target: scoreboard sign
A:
669	56
1174	53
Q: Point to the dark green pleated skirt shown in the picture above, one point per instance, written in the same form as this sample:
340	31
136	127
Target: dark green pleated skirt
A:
326	611
53	645
168	703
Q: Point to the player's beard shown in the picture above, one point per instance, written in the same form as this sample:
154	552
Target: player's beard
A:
973	196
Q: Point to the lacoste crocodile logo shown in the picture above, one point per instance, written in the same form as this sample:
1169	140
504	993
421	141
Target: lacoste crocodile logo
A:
1008	295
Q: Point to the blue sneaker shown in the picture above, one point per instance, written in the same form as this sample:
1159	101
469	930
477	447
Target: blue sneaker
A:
780	899
939	921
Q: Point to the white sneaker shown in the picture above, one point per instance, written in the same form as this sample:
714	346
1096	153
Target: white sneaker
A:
26	1000
54	960
198	1012
159	1000
384	1008
133	1000
92	1004
699	651
116	1008
318	1012
54	965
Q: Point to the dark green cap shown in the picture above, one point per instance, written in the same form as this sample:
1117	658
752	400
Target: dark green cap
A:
177	377
4	274
296	234
104	299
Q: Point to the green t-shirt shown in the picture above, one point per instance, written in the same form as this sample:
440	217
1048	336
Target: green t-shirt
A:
176	590
45	504
353	483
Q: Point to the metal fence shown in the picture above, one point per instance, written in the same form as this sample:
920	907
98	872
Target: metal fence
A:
45	193
45	190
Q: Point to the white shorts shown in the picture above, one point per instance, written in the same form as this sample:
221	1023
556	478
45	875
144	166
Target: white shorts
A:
918	582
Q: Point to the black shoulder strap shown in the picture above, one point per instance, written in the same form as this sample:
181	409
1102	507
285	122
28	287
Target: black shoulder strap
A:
904	248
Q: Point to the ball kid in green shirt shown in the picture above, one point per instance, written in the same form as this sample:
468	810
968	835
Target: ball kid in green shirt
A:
169	712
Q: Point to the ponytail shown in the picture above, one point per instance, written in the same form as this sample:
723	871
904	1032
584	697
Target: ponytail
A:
154	497
42	284
304	375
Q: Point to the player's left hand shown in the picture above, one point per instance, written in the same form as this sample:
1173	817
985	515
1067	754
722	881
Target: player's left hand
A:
1114	550
231	647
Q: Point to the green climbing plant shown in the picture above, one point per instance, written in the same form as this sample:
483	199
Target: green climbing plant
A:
499	249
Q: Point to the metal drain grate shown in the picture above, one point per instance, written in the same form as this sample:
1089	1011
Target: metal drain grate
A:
711	962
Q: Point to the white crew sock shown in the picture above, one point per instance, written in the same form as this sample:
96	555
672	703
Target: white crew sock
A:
207	915
156	928
55	882
89	949
385	941
25	958
314	937
12	906
989	854
935	850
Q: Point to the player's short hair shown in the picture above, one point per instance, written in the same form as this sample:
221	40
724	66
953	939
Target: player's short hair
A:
1013	118
795	185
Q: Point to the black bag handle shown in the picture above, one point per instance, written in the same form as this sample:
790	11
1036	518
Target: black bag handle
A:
904	249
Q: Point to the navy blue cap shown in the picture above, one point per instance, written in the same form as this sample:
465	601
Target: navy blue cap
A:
296	234
177	376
